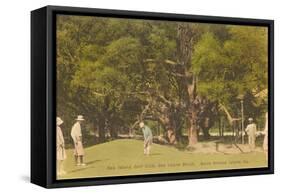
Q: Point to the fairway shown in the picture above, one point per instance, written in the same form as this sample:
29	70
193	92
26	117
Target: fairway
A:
125	157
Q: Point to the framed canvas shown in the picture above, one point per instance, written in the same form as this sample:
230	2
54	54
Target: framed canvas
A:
126	96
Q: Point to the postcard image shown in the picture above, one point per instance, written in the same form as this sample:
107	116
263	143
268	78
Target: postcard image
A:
141	96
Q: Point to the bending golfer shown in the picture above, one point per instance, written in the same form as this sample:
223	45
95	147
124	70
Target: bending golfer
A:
147	135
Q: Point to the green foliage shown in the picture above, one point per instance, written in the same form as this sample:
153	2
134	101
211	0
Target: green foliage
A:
234	66
108	69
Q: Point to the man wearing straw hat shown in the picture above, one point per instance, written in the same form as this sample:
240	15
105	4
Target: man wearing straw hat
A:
147	134
76	135
61	155
251	130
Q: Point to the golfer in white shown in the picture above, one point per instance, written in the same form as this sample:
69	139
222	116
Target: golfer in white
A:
76	135
251	130
61	155
147	135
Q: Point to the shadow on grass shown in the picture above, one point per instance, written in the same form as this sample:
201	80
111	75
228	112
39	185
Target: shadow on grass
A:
155	154
225	153
88	165
94	161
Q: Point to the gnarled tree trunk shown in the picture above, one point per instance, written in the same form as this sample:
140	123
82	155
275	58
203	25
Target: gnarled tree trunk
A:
187	33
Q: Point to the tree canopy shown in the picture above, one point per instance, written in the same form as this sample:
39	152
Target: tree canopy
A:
118	72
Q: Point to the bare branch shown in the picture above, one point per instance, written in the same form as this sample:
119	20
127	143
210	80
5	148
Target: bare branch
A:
164	100
170	62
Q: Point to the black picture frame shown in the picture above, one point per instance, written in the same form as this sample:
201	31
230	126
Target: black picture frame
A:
43	96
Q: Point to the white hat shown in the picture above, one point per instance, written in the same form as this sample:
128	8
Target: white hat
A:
80	118
141	124
250	119
59	121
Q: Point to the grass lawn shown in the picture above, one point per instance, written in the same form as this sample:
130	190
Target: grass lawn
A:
125	157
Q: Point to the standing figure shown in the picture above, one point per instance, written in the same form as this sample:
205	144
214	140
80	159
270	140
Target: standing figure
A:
171	136
147	135
251	130
76	135
61	155
265	140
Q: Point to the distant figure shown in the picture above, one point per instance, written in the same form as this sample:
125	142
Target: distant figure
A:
265	140
147	135
171	136
76	135
251	130
61	155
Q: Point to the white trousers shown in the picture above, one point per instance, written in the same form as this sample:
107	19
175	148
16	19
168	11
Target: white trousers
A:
252	142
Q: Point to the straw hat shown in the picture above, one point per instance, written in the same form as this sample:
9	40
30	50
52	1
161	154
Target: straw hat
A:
59	121
80	118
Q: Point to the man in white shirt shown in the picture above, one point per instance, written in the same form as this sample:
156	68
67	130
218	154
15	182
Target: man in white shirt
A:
251	130
76	135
